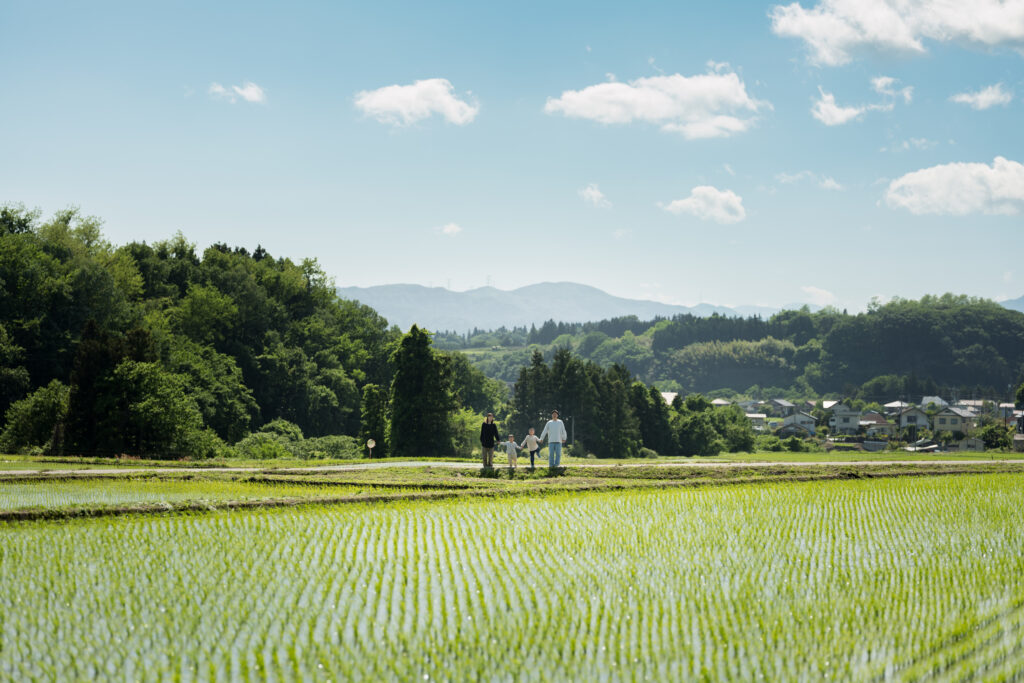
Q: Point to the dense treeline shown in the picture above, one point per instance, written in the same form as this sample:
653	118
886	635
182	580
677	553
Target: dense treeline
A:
610	414
949	344
156	349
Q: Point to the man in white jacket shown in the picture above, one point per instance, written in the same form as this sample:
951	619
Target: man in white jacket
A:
555	431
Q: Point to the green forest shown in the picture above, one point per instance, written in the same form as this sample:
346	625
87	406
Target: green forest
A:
936	345
157	350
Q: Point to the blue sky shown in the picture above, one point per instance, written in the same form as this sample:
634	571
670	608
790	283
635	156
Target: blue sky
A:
733	153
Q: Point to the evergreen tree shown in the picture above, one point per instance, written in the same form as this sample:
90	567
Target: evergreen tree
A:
422	401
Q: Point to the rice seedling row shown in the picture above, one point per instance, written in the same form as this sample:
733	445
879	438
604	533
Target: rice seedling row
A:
859	580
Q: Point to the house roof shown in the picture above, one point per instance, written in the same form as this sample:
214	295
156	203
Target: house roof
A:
757	416
827	405
960	412
669	396
783	402
912	409
873	418
971	403
937	400
1007	405
721	402
896	404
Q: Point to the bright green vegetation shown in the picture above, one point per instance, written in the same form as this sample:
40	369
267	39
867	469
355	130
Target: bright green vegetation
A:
902	347
18	495
907	578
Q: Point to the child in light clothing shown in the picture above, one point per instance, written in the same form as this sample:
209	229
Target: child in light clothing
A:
511	448
532	443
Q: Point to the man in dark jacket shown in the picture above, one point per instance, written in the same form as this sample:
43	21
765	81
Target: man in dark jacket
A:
488	438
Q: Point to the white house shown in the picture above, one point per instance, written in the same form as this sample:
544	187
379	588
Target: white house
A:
893	407
757	421
844	420
802	420
782	406
912	418
937	400
876	425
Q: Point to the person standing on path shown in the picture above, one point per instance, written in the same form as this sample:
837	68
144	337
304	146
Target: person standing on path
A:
532	443
555	431
488	438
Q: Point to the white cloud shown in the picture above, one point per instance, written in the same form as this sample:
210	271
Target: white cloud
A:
728	169
248	91
828	112
984	98
594	196
822	181
884	85
709	203
919	143
450	229
834	29
960	188
402	105
818	296
703	106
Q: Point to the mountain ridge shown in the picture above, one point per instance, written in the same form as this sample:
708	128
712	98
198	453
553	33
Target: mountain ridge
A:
488	308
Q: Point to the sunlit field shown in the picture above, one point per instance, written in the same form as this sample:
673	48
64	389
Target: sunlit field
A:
897	578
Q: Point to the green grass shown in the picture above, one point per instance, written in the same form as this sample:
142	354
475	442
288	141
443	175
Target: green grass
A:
54	495
895	578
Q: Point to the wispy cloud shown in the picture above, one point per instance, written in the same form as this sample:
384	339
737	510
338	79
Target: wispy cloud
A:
818	296
710	105
830	113
247	92
594	196
885	85
403	105
450	229
709	203
991	96
822	181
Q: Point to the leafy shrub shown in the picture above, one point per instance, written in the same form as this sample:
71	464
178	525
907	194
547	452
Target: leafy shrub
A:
648	453
31	421
769	443
263	446
289	430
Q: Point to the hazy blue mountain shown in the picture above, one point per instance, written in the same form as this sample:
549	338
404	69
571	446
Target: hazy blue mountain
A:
1014	304
486	308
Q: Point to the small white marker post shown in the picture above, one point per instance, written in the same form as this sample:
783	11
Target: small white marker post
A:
370	443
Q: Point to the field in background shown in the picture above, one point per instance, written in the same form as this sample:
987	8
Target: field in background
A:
907	578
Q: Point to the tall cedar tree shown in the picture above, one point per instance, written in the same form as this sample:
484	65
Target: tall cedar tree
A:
374	410
422	400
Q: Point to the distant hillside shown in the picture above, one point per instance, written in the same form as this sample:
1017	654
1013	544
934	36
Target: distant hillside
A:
488	308
1014	304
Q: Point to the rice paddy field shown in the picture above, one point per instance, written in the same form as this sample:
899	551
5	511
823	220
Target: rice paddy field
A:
890	579
28	495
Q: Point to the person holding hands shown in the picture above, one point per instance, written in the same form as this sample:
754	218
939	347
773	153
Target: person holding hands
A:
554	430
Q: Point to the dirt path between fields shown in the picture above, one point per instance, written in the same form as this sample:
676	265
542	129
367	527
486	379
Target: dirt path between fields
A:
68	473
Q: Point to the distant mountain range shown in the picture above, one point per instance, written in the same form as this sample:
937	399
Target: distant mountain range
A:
487	308
1014	304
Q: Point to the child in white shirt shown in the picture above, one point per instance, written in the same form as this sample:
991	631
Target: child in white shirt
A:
531	443
511	448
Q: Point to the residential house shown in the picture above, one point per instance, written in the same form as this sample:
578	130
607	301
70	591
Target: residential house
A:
971	443
953	420
669	396
876	426
757	421
721	403
802	420
782	407
912	418
937	400
894	407
844	420
808	406
1006	410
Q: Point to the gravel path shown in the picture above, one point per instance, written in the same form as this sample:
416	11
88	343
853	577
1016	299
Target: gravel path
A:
65	473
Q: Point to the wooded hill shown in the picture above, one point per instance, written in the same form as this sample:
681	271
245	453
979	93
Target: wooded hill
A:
156	349
938	344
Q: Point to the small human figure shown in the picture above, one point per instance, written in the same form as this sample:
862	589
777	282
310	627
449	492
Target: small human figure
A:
488	439
511	448
531	443
555	431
